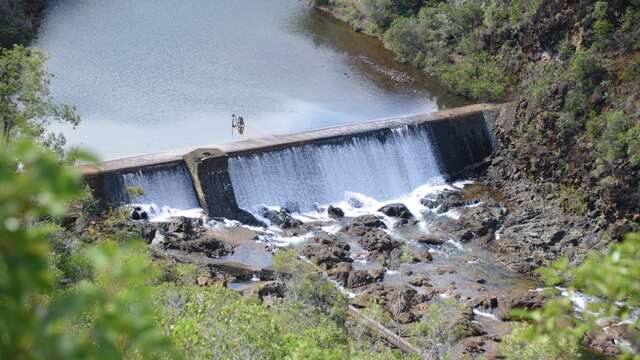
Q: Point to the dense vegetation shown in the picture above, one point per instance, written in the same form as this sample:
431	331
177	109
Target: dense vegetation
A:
572	70
19	20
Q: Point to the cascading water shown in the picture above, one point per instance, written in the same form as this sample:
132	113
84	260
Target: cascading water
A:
165	187
383	167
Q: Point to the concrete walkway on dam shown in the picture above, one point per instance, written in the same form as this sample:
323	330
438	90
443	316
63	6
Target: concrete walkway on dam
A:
461	137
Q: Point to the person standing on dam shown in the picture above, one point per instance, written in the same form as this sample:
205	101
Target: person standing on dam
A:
237	122
240	125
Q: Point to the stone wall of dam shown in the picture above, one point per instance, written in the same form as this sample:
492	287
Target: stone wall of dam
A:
384	158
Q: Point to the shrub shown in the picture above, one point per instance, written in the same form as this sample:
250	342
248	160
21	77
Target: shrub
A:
476	77
633	145
585	67
612	277
613	142
402	38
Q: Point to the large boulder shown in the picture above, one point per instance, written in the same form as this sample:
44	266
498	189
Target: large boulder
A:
397	210
365	276
502	303
281	218
327	250
335	212
370	221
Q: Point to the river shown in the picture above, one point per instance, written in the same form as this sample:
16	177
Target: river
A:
148	76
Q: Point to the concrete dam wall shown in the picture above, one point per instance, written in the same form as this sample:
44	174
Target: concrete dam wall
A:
382	158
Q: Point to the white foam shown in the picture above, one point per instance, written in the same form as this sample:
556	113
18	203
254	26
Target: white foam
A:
485	314
165	213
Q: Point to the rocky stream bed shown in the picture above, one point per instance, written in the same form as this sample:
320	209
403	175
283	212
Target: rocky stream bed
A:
465	244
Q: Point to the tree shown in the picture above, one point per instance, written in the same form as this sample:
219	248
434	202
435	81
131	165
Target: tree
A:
26	106
108	316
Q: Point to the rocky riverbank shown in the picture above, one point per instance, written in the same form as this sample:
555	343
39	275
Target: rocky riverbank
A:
457	249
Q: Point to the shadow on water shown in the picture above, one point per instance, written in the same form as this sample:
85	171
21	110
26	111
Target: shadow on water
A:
372	61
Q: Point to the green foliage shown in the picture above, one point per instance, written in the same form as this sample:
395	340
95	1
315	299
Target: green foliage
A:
633	145
585	67
477	77
614	140
320	2
135	191
613	278
439	329
572	200
26	107
105	317
602	26
18	21
519	345
213	322
383	12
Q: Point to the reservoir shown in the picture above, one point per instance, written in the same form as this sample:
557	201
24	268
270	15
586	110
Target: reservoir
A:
154	75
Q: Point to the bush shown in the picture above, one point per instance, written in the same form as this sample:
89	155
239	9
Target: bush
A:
613	143
613	278
633	145
476	77
585	68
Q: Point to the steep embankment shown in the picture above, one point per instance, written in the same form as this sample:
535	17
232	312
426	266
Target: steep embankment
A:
19	21
569	148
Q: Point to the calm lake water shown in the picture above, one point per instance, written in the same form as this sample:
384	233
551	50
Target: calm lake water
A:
152	75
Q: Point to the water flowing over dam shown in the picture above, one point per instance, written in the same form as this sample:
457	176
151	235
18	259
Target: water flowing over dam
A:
384	165
383	159
170	186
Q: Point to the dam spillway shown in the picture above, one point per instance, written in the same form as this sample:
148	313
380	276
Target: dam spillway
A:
385	164
382	158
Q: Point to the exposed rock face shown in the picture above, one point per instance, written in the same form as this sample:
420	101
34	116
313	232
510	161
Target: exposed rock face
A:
327	251
404	302
517	298
188	235
370	221
361	277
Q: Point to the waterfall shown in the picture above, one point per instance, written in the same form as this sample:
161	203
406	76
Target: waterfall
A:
166	186
383	166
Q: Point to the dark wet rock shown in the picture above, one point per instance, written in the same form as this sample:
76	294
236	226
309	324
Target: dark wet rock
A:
281	218
397	210
187	235
361	277
429	203
139	214
444	201
433	239
335	212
